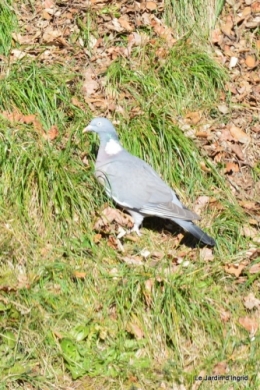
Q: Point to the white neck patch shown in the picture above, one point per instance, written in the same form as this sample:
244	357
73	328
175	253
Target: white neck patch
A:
113	147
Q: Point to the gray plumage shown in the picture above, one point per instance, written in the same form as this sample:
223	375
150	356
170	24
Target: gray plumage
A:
134	185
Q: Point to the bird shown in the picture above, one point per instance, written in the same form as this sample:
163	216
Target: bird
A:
135	186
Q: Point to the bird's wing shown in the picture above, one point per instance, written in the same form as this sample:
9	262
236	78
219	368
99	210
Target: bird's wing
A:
134	184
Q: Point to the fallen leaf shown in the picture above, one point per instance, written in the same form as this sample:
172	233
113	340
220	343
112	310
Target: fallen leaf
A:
250	324
150	5
90	84
23	282
148	284
17	54
231	167
109	214
79	275
251	302
216	36
97	238
236	148
52	133
206	254
255	269
239	134
250	62
157	255
220	368
200	204
225	315
235	269
255	7
227	28
135	330
133	260
50	35
204	167
193	117
248	231
223	108
48	4
247	204
124	22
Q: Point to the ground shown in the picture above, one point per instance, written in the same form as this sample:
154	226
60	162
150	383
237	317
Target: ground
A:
80	308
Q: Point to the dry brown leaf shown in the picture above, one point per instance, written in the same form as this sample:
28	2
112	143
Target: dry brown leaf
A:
251	302
76	102
114	242
225	135
45	15
124	22
247	204
79	275
250	62
90	84
227	28
206	254
220	368
236	148
216	36
193	117
135	330
255	7
201	203
204	167
255	269
48	4
231	167
52	133
246	11
97	238
223	108
250	324
109	215
248	231
163	31
150	5
17	54
133	260
22	39
225	315
157	255
148	284
235	269
23	282
239	134
50	35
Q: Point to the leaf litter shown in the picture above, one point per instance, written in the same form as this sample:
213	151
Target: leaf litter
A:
232	145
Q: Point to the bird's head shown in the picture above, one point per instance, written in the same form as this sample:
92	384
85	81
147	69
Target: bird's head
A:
101	126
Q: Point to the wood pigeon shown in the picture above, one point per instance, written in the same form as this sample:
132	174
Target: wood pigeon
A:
135	186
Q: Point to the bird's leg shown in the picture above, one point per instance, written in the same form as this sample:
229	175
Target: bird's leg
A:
138	219
135	228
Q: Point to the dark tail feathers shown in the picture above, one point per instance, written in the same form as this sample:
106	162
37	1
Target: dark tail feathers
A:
195	231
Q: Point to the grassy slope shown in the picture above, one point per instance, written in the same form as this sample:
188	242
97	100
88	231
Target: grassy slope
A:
53	323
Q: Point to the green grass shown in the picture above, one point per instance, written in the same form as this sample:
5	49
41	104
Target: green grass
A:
117	326
196	17
8	23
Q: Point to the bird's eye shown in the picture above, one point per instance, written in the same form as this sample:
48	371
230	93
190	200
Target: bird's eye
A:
99	123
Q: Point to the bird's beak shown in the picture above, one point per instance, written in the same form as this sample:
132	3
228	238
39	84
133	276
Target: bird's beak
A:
88	128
